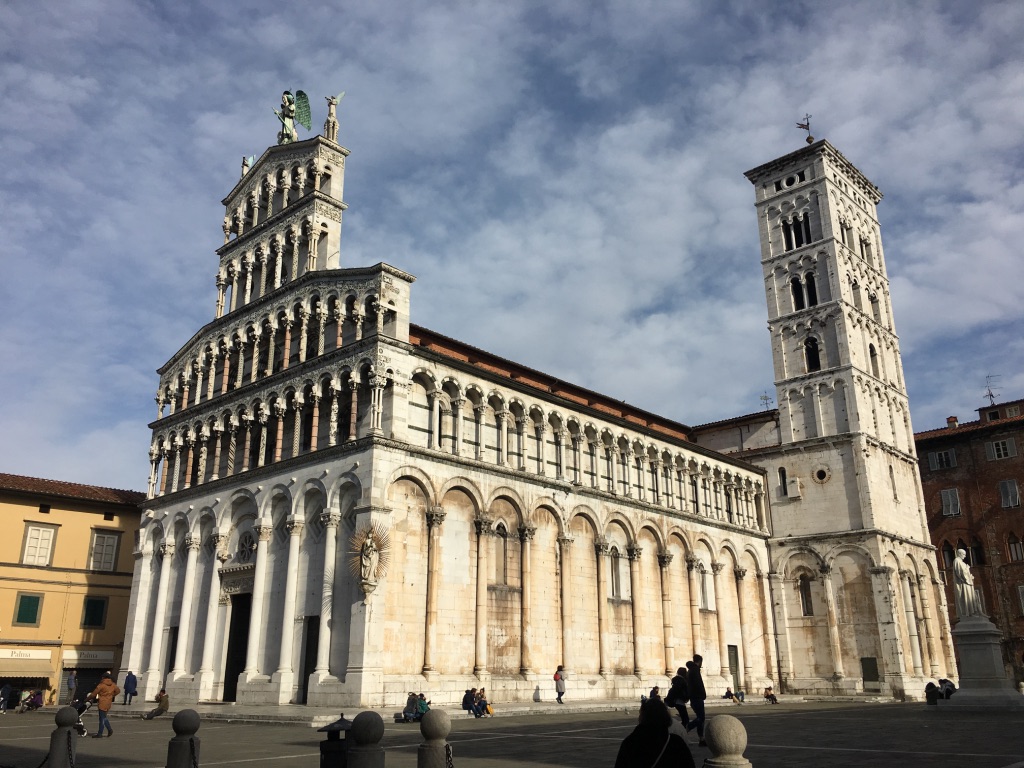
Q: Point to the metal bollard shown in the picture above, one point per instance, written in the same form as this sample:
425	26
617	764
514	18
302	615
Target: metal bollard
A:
334	749
435	727
183	749
63	740
367	731
726	738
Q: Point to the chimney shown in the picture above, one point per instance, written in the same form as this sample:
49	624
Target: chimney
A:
952	422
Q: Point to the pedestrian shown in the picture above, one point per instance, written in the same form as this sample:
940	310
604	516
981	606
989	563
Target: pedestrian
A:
770	696
678	695
72	686
163	703
131	687
422	706
104	695
411	713
483	705
695	684
560	684
651	745
5	695
736	697
655	693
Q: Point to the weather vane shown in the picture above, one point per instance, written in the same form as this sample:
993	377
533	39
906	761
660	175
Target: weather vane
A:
766	401
806	126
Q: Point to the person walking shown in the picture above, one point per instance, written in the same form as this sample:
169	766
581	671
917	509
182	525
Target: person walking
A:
131	687
5	695
695	684
104	695
163	703
678	695
559	684
72	686
651	745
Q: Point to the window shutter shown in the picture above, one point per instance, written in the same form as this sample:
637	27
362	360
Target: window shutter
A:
1004	492
1011	447
933	461
952	457
990	451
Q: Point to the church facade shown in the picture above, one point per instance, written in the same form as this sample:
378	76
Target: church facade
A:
344	506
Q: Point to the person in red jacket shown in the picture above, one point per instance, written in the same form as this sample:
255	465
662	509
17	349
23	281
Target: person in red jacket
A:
104	695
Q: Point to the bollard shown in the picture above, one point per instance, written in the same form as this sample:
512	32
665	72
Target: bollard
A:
63	740
334	749
367	731
183	749
726	738
435	727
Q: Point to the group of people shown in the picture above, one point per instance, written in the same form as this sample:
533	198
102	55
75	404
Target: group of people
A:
475	702
416	706
28	700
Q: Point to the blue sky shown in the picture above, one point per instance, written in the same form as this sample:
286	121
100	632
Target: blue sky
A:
565	179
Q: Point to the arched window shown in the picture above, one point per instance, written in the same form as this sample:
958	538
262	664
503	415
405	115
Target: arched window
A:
614	561
804	585
1015	548
977	553
874	360
892	484
812	355
812	289
798	294
501	554
948	555
783	486
728	504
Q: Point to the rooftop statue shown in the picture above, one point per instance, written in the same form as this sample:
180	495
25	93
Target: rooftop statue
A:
293	109
331	123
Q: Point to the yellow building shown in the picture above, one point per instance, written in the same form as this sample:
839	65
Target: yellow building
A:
65	580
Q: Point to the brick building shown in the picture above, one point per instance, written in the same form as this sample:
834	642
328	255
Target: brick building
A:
971	476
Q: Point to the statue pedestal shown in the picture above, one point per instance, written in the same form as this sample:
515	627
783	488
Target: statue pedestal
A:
983	681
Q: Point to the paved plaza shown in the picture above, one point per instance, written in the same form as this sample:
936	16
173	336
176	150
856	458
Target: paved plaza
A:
793	735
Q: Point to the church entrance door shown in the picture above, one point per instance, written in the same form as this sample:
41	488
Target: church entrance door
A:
238	641
311	630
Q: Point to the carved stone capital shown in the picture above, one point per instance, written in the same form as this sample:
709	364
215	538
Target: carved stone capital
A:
435	516
167	549
691	562
740	573
192	542
665	559
265	532
565	542
601	548
527	532
716	568
330	519
634	552
294	527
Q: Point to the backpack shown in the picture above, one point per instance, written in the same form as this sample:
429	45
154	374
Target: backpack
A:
557	676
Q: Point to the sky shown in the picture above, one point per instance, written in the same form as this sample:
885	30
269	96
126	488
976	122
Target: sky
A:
564	179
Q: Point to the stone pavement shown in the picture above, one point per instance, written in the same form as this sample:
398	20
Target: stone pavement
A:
795	734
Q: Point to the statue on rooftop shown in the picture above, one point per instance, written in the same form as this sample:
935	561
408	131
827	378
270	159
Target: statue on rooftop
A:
331	123
294	108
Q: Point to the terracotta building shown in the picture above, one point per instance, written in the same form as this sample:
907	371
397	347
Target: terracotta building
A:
65	580
971	475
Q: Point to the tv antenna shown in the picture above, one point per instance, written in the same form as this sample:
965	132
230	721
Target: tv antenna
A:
766	401
989	392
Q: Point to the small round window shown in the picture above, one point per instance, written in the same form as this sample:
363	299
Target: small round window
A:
822	474
246	547
790	181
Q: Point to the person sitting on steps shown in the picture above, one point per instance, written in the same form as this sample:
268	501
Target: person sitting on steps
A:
736	697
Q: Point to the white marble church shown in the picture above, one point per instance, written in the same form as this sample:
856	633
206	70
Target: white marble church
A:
344	506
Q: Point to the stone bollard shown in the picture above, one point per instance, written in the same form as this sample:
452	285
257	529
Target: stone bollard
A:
367	731
183	749
63	740
435	727
726	738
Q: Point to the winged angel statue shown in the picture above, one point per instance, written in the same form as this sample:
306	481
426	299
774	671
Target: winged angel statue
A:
294	109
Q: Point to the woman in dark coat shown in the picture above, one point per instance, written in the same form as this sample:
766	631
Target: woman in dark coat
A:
650	745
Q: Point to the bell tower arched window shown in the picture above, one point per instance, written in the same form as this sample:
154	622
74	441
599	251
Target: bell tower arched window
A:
874	360
798	294
804	586
812	355
812	289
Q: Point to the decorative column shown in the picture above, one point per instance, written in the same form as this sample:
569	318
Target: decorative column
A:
177	465
503	417
314	428
221	285
271	351
154	461
155	671
279	410
261	416
892	645
596	475
723	651
911	614
332	435
457	425
204	438
627	473
521	439
691	583
377	386
777	586
357	321
601	549
303	333
763	600
483	530
261	258
232	444
565	545
187	598
298	405
225	374
634	597
923	586
190	441
656	482
741	601
613	469
218	556
278	254
664	563
252	662
434	433
321	320
479	412
833	621
339	324
435	516
353	386
331	521
526	533
542	449
943	620
285	671
239	374
287	352
247	263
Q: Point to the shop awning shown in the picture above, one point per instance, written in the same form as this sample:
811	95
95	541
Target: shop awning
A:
26	668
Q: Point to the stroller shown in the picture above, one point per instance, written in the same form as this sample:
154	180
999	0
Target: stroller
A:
81	707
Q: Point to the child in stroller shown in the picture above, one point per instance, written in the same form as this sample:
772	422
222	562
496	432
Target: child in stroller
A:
81	707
